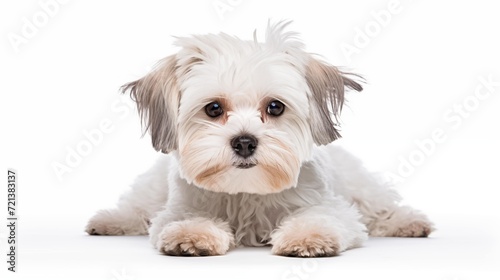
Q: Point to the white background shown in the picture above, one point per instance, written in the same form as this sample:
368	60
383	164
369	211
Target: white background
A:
62	81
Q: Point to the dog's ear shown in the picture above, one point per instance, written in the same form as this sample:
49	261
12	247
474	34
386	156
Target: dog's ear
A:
157	96
327	85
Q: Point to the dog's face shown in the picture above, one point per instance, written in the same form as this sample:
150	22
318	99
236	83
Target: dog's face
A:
241	116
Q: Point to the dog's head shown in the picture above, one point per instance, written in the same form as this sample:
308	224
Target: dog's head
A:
241	116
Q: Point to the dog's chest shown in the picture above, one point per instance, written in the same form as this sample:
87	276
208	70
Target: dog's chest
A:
252	217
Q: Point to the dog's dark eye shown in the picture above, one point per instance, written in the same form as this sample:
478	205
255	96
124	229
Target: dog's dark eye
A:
275	108
213	109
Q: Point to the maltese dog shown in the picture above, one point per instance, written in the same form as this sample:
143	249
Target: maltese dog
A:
245	127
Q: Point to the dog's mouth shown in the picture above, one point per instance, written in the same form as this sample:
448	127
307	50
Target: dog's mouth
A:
245	165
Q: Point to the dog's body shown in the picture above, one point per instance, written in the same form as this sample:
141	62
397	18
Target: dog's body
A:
242	121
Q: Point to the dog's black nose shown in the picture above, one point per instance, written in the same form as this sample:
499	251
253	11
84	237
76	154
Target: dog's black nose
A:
244	145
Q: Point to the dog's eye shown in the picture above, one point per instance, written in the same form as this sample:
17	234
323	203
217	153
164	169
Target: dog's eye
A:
213	109
275	108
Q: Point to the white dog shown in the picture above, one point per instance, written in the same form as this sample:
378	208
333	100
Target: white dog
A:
243	123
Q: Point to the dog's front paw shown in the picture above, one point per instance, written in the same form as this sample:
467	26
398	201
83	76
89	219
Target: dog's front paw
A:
195	237
307	247
306	242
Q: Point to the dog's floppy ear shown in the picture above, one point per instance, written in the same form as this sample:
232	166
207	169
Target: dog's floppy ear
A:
157	96
326	84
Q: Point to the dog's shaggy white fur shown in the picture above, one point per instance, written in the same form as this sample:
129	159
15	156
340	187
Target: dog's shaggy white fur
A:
243	124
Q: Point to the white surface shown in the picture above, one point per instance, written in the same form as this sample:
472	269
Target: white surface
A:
57	249
64	81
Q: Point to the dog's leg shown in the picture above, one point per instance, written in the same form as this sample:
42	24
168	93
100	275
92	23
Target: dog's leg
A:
191	237
136	207
319	231
396	221
124	220
377	201
382	213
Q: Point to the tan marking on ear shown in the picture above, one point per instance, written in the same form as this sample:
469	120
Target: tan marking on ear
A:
157	96
327	85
